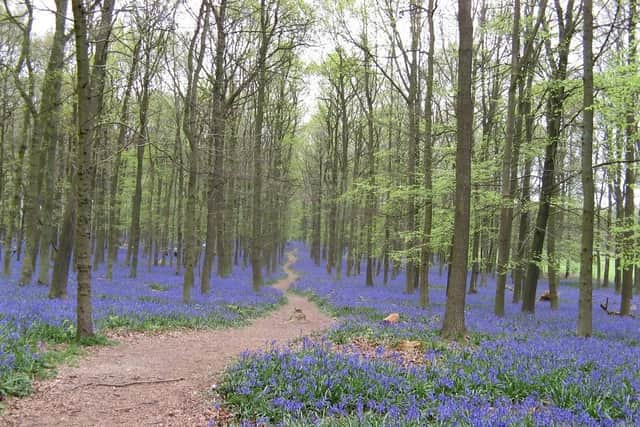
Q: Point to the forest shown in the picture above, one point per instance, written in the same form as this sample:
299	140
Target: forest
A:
317	212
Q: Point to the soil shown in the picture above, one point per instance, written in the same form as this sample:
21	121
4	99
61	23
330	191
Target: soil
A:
162	379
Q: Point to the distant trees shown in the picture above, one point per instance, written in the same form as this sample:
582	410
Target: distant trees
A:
525	164
512	146
109	149
193	148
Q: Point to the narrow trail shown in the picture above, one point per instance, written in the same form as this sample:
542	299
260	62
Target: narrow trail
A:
160	379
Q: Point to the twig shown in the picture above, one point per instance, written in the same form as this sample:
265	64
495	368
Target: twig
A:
132	383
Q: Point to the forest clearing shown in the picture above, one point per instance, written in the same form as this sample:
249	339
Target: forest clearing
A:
315	212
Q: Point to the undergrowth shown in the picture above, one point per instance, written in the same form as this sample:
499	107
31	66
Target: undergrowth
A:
33	352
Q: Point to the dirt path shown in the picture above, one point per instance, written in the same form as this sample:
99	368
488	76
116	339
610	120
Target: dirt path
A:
156	379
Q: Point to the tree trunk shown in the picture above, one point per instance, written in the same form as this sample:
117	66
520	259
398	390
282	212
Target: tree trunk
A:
256	224
555	105
190	249
136	204
413	103
114	205
215	200
13	216
511	150
454	323
525	197
44	135
428	165
506	211
552	258
89	87
154	198
189	124
51	135
176	251
586	251
629	179
62	260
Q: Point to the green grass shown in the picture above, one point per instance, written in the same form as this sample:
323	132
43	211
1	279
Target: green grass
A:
55	346
214	321
159	287
328	308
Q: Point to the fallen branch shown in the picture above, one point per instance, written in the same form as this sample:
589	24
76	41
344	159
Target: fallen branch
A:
605	307
172	380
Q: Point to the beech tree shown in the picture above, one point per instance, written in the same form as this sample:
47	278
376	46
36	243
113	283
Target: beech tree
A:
454	324
586	260
90	86
201	147
555	103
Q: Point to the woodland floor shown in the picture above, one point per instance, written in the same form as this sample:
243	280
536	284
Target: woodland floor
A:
157	379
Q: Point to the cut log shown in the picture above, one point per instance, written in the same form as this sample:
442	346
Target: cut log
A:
392	318
546	296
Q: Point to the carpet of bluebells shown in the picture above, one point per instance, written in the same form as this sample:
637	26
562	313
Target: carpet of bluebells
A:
151	301
515	370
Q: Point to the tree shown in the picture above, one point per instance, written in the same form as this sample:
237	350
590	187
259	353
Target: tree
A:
195	58
50	118
25	66
586	252
554	113
369	96
281	28
114	205
215	200
509	164
152	25
454	324
631	132
267	27
89	87
428	163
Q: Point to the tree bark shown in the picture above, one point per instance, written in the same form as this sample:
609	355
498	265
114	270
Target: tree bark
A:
510	157
413	102
586	251
629	178
114	204
136	204
189	125
428	164
14	215
552	257
525	196
89	87
62	261
44	135
555	106
215	201
506	211
454	323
